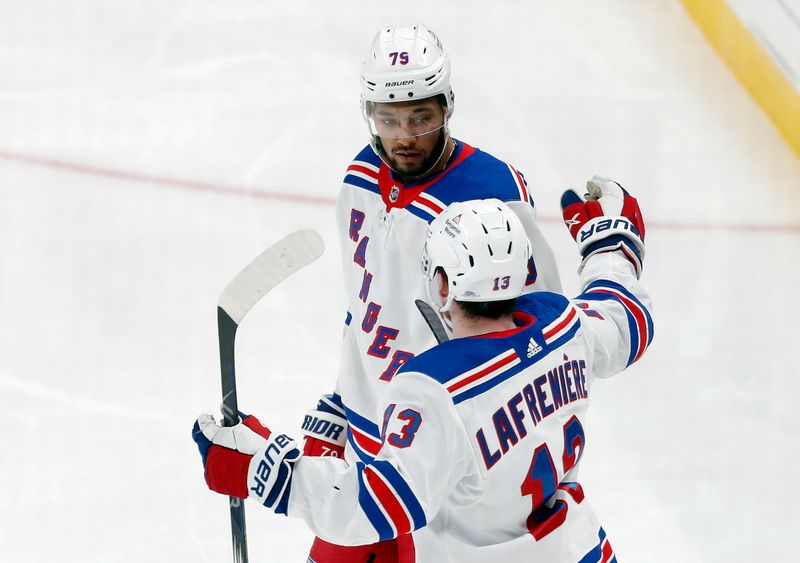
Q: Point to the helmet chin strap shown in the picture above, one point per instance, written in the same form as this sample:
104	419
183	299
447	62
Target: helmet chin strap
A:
446	319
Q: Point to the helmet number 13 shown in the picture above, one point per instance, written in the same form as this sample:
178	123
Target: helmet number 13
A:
501	283
402	57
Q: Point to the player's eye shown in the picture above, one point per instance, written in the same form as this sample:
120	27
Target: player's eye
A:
388	122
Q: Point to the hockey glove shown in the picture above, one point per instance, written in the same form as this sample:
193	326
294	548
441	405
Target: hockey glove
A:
246	460
608	219
325	428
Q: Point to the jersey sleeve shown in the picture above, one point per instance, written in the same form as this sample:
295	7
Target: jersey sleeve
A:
542	268
615	313
399	491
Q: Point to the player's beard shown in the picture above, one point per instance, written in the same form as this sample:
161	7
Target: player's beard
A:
424	168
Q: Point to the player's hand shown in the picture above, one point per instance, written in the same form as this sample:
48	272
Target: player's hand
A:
607	219
325	428
246	459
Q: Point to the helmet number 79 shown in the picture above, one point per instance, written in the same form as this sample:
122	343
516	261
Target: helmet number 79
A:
402	56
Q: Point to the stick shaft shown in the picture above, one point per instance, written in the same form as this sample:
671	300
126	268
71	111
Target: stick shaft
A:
290	254
230	409
433	321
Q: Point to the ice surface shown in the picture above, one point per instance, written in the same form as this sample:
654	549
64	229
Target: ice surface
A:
149	150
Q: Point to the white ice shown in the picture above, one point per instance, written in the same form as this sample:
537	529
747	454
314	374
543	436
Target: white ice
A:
150	149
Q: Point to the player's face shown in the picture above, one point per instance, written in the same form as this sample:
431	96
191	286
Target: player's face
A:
409	133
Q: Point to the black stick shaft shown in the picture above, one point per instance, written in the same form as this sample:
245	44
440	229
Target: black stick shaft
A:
433	321
230	411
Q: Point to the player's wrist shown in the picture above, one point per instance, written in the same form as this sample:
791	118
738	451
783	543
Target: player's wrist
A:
325	428
603	265
627	246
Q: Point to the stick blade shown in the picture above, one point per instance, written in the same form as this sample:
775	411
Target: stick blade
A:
290	254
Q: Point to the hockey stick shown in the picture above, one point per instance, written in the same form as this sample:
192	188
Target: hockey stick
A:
270	268
433	320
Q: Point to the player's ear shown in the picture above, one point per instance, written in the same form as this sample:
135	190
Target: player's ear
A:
444	289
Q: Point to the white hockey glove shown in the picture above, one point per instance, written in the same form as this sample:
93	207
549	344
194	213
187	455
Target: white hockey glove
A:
608	219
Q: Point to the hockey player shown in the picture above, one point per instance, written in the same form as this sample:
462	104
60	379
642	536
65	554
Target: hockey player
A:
482	436
410	171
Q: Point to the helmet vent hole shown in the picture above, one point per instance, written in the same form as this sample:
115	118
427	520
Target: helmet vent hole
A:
471	262
490	249
411	94
424	50
509	247
391	96
484	229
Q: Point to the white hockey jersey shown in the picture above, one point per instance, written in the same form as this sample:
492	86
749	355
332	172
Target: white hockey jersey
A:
382	226
481	438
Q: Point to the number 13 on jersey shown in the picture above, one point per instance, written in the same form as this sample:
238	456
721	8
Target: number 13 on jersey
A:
541	482
411	421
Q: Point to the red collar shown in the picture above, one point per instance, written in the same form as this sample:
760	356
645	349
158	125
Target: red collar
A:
522	320
405	195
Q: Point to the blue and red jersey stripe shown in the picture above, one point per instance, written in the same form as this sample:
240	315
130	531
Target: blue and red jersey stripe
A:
387	500
602	552
640	322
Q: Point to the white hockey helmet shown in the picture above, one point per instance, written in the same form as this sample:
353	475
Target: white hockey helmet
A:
483	249
405	64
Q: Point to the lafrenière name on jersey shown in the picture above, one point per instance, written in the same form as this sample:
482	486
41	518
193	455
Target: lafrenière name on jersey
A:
536	401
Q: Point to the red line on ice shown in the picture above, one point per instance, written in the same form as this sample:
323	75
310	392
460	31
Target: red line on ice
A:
196	185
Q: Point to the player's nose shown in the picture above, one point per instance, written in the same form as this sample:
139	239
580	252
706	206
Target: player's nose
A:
409	140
